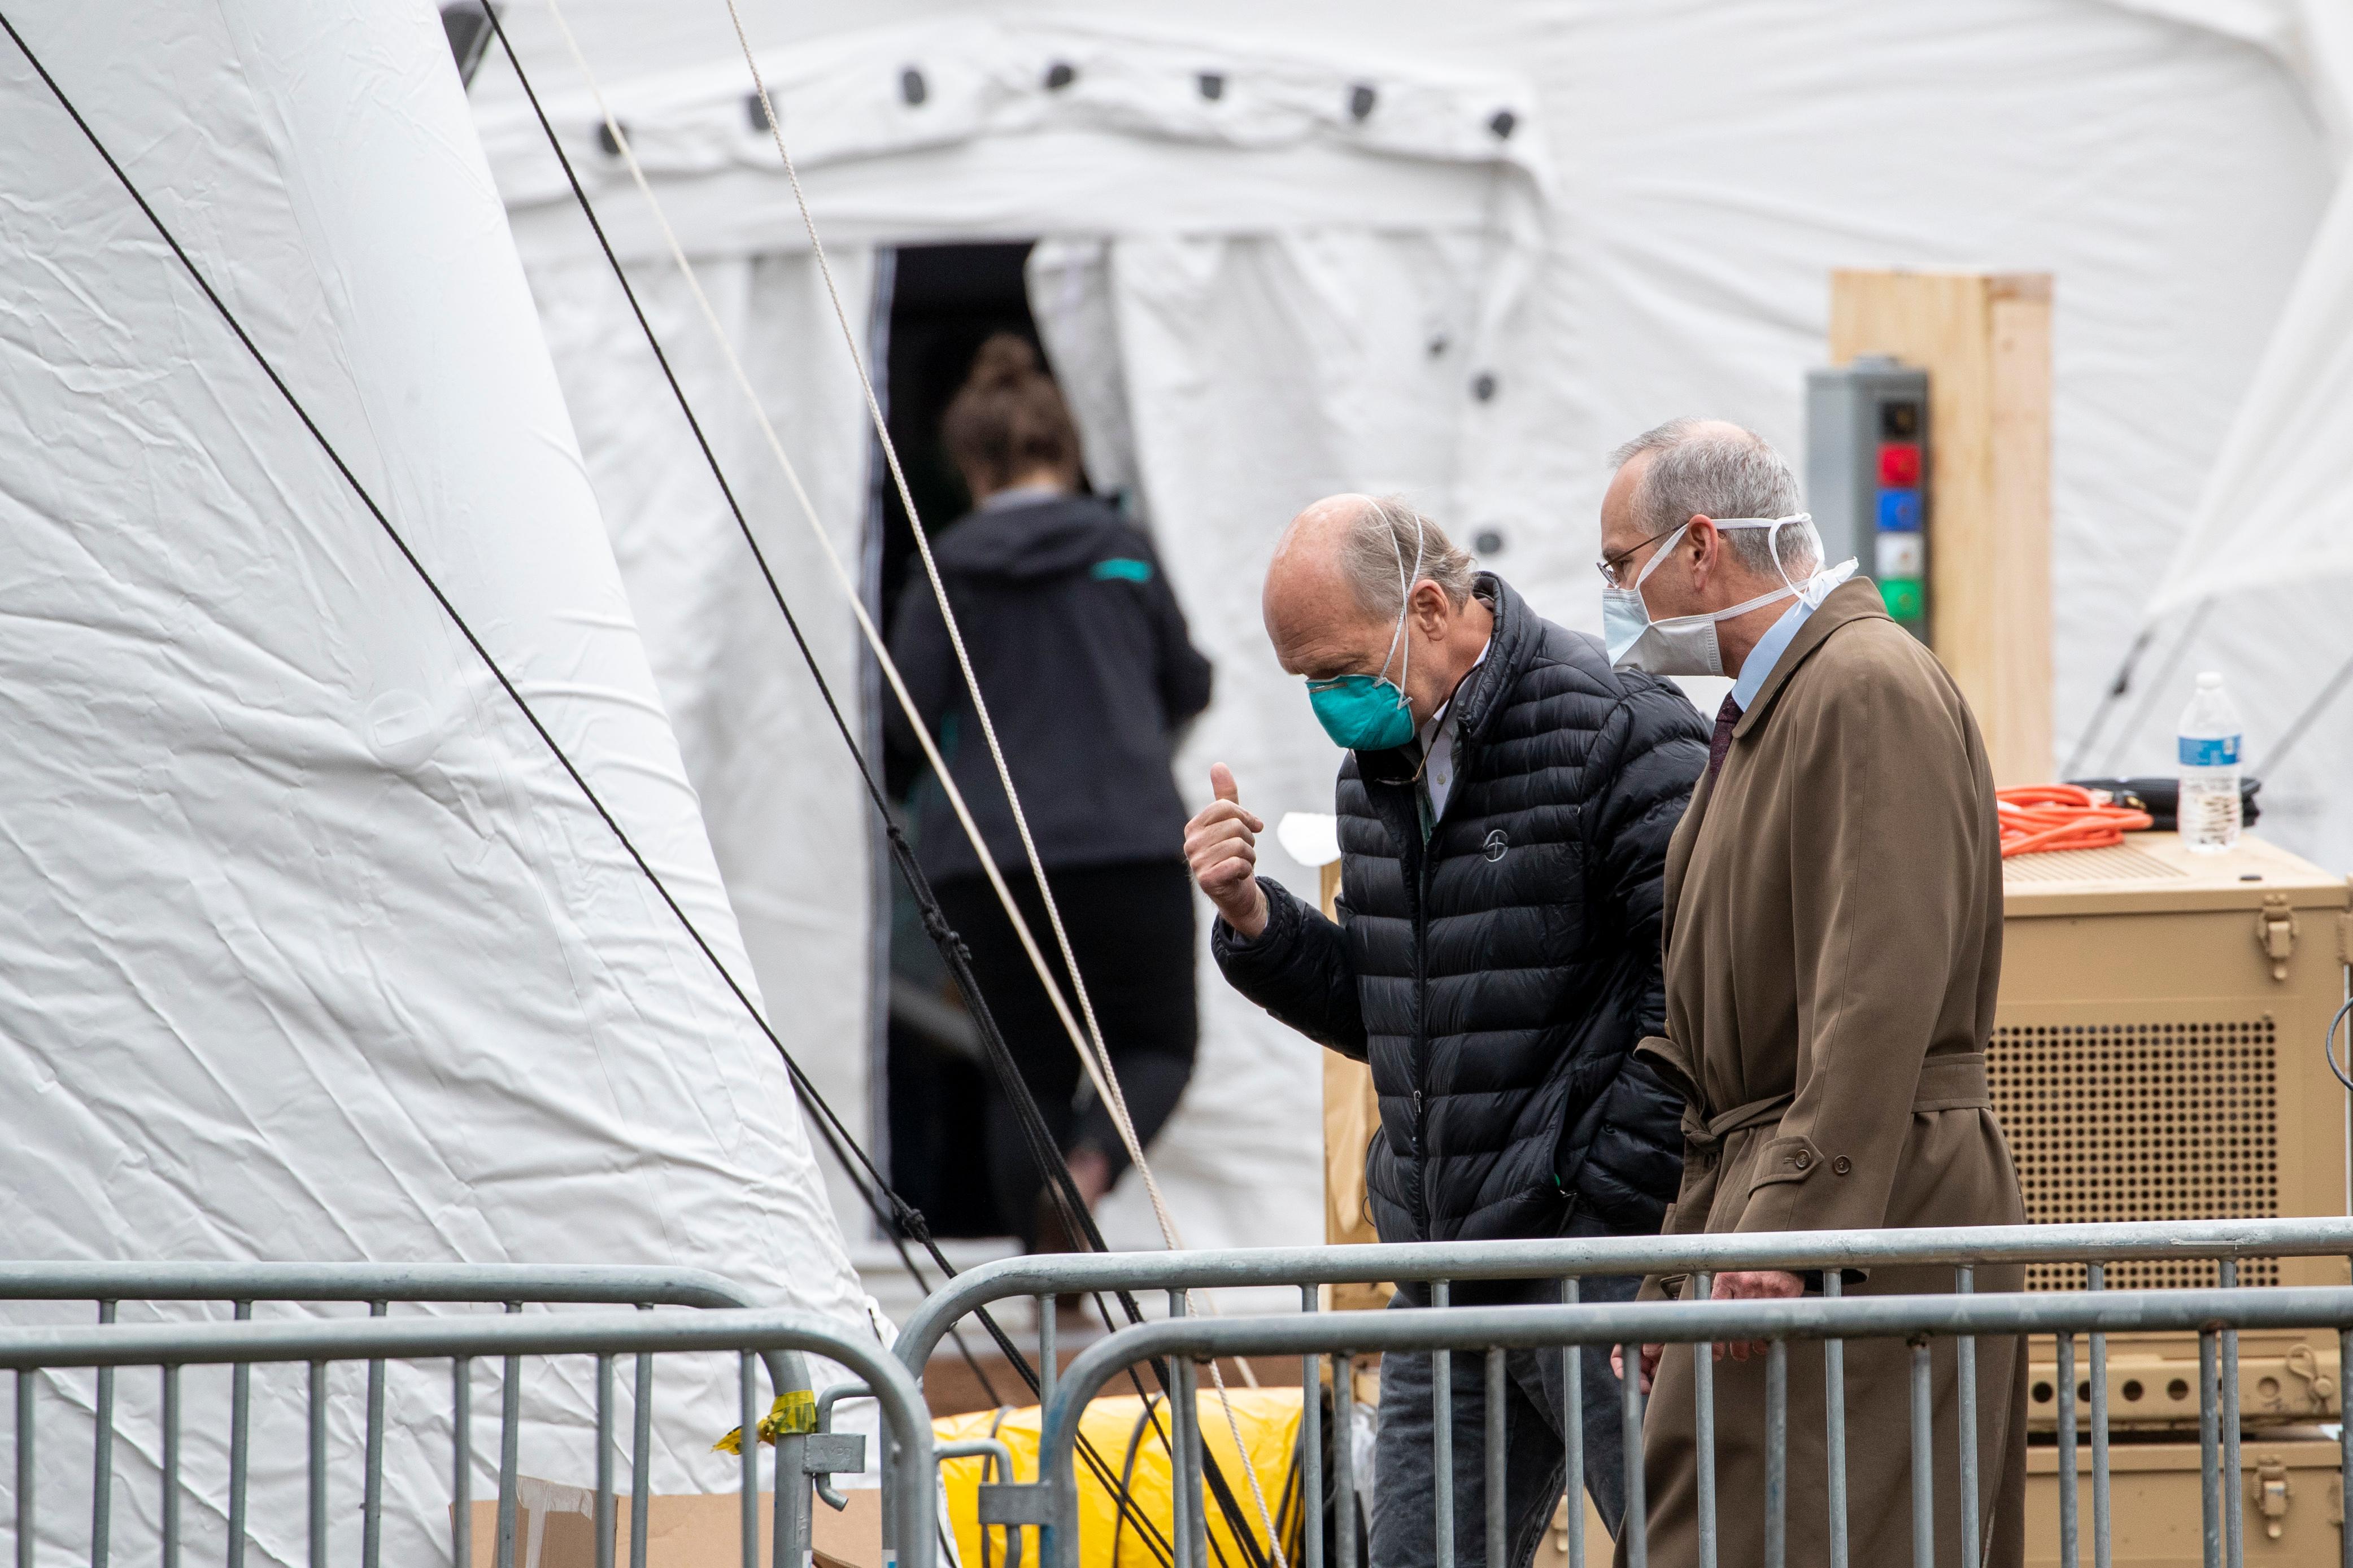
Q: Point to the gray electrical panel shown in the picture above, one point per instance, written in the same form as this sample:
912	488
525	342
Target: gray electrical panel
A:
1867	476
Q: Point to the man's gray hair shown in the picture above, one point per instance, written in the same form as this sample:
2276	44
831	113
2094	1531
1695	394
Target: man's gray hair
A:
1379	550
1704	467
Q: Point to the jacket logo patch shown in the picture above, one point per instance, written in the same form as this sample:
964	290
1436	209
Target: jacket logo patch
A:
1498	842
1122	569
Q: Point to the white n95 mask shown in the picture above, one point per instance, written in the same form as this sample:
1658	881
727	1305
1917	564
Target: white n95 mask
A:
1686	645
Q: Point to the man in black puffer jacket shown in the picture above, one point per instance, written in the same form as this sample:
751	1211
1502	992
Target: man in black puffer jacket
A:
1504	813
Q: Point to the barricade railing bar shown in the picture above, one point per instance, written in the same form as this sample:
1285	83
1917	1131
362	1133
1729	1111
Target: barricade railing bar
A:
762	1338
1965	1250
378	1285
2210	1313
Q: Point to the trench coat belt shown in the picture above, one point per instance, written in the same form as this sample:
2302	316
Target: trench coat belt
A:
1956	1081
1953	1082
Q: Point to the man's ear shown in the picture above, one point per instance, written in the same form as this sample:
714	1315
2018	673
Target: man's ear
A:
1431	611
1707	547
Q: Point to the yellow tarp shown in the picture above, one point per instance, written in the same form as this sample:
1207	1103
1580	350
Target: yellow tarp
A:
1131	1444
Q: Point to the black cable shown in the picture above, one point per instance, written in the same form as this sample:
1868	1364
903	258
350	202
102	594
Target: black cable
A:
899	1215
1057	1178
802	1086
907	1219
1055	1169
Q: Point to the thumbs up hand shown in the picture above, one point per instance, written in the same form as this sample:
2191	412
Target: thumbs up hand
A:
1222	847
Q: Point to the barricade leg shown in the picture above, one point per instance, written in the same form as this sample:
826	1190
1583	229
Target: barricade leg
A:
1636	1525
318	1464
1965	1353
461	1462
1572	1435
171	1509
1834	1432
1441	1439
2234	1543
240	1432
2103	1537
2070	1532
1776	1455
1923	1460
641	1444
747	1460
1497	1530
101	1479
510	1450
1703	1429
26	1515
604	1516
372	1485
1311	1447
2210	1450
1343	1460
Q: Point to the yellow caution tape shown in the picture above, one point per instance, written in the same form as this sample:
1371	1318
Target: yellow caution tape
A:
793	1414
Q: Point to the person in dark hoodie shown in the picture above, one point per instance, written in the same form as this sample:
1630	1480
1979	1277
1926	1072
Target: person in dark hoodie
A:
1081	654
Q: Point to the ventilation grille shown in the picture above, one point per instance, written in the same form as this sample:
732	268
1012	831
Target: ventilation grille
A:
2117	863
2141	1122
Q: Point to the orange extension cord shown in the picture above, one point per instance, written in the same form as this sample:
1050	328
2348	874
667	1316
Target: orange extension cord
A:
2036	817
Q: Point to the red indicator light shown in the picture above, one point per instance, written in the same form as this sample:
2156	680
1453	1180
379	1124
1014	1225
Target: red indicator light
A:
1899	463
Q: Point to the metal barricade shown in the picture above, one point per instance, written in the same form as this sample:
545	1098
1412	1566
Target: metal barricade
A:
108	1285
2211	1314
1965	1249
760	1338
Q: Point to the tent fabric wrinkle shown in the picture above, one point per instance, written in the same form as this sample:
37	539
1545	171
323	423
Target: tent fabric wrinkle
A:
313	951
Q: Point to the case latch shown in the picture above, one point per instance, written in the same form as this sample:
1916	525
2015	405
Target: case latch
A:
2276	932
2271	1495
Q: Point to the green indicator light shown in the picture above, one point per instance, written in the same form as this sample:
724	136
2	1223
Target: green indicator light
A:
1907	599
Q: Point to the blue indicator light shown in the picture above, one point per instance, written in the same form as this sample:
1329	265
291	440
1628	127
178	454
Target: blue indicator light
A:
1899	511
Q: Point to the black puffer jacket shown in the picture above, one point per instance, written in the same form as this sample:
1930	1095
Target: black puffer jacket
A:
1499	977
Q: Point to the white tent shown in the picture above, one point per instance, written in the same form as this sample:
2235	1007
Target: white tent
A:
311	951
1345	270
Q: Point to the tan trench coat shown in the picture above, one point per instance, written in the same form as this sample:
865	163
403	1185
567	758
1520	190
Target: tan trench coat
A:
1834	944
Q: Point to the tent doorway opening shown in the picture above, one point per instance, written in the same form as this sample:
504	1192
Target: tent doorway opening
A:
940	303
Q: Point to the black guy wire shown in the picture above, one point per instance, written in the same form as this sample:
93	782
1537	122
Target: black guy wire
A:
830	1123
1060	1185
1065	1191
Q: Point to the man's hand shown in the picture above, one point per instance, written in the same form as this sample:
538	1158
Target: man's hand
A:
1759	1285
1649	1362
1222	847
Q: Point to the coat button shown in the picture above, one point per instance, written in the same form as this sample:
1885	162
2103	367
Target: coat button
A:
1803	1160
1842	1164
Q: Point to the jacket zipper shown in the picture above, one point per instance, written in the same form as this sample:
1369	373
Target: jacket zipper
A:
1421	1042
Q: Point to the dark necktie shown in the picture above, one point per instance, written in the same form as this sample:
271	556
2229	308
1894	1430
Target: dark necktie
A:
1721	741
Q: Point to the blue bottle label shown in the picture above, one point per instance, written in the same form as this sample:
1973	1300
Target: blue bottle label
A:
2207	751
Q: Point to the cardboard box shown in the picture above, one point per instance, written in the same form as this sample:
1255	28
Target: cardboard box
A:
556	1527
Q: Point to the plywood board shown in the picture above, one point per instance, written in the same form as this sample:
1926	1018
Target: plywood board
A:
1985	340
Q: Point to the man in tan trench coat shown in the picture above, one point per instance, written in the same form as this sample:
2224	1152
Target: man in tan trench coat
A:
1833	945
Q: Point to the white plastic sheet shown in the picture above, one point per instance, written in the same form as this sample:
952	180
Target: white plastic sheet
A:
309	948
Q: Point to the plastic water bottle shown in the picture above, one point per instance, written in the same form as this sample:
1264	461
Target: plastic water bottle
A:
2208	742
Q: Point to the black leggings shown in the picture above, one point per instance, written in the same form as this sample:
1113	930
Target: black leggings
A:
1131	926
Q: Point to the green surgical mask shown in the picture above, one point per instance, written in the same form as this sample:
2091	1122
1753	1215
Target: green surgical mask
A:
1369	712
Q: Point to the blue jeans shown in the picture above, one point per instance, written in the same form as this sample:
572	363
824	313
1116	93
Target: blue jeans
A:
1404	1525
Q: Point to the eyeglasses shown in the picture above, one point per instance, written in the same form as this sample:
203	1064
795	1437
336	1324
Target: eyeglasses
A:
1608	564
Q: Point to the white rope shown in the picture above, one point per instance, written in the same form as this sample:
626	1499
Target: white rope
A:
808	510
1116	1101
1107	1079
1097	1063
